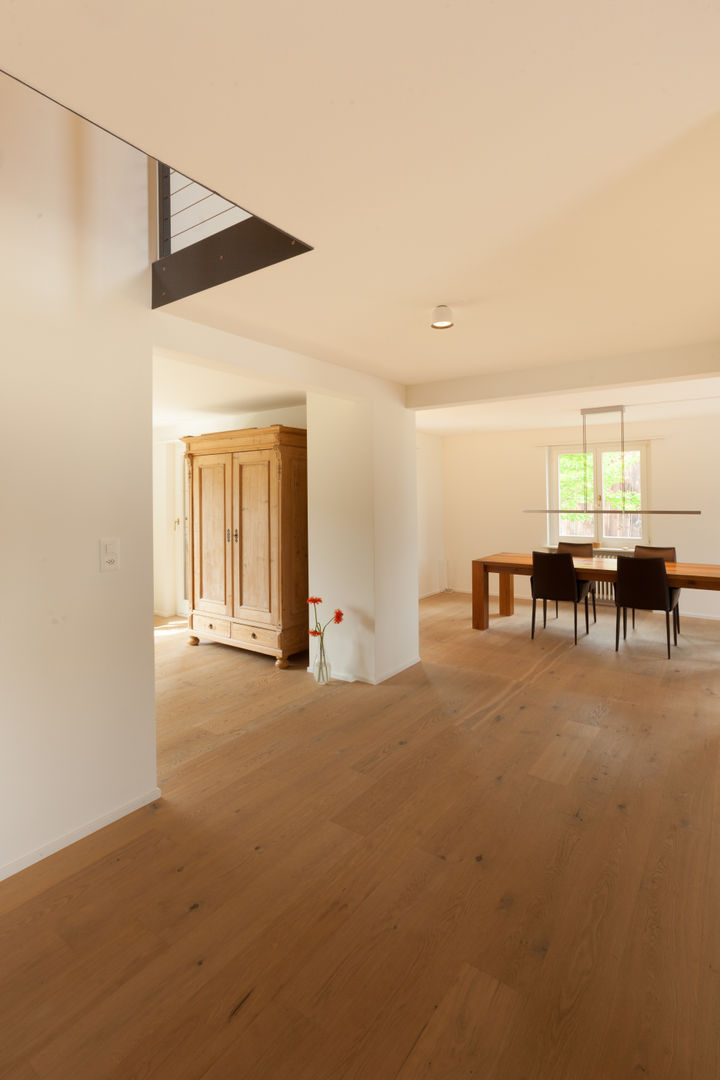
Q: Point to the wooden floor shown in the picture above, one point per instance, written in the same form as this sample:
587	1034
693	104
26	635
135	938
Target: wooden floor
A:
502	864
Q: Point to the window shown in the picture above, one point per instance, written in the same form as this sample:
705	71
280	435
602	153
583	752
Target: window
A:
605	480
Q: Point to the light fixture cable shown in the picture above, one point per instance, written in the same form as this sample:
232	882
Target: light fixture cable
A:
585	510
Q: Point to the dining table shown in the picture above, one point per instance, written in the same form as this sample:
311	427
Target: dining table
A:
507	564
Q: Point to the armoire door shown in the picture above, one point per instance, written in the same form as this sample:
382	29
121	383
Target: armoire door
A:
212	536
255	536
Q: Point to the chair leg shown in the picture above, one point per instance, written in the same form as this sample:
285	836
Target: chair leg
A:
544	614
674	626
594	611
667	627
617	628
625	623
677	619
532	631
557	613
633	611
587	617
575	619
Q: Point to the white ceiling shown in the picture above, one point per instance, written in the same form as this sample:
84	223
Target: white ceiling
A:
202	397
186	391
660	401
549	170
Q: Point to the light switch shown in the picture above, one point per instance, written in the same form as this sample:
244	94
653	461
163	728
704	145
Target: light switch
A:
109	553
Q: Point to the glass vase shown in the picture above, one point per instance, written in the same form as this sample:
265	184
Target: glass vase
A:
321	667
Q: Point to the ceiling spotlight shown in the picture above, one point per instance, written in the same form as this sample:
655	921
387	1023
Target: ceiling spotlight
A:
442	318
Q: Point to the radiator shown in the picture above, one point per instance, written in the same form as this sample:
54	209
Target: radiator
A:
604	589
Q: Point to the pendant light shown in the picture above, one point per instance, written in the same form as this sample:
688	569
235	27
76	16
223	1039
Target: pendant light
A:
587	510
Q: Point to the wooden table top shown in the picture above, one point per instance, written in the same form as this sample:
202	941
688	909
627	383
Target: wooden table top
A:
680	575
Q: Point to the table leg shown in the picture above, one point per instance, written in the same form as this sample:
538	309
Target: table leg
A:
480	597
507	594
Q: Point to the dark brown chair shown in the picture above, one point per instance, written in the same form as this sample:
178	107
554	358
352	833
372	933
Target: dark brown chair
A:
642	583
554	578
583	551
669	555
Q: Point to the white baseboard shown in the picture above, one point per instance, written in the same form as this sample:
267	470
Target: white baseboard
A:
389	674
77	834
341	676
396	671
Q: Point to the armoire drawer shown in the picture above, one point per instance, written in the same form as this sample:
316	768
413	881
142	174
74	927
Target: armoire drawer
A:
255	635
209	625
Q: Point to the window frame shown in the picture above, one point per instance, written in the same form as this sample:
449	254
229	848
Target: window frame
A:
597	449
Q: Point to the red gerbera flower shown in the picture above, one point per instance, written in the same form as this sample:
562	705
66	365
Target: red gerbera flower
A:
314	600
314	633
338	617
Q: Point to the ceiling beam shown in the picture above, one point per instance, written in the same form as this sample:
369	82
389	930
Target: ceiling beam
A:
698	361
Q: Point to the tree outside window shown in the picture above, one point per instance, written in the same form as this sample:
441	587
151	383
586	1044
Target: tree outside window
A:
602	479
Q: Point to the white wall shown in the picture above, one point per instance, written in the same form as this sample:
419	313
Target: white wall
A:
362	532
490	478
292	416
396	544
432	568
341	529
361	501
362	527
165	513
77	734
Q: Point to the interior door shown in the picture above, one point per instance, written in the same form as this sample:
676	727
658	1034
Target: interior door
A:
255	536
212	537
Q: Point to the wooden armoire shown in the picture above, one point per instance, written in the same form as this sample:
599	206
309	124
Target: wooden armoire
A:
248	539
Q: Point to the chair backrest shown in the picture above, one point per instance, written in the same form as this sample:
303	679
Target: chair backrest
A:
667	553
553	576
642	583
583	551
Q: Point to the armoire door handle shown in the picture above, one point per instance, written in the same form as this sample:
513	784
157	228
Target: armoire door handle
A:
228	536
236	536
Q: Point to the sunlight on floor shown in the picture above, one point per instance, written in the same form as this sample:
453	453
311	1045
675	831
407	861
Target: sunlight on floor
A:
170	626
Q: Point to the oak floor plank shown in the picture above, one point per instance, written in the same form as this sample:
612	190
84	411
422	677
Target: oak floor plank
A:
19	890
212	945
665	940
423	783
566	1023
40	1013
501	863
274	1045
374	1002
562	756
471	1024
24	1071
236	986
706	1051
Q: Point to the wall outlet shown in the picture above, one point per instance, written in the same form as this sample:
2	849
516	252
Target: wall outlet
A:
109	554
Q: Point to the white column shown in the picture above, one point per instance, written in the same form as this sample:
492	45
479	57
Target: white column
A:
363	532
